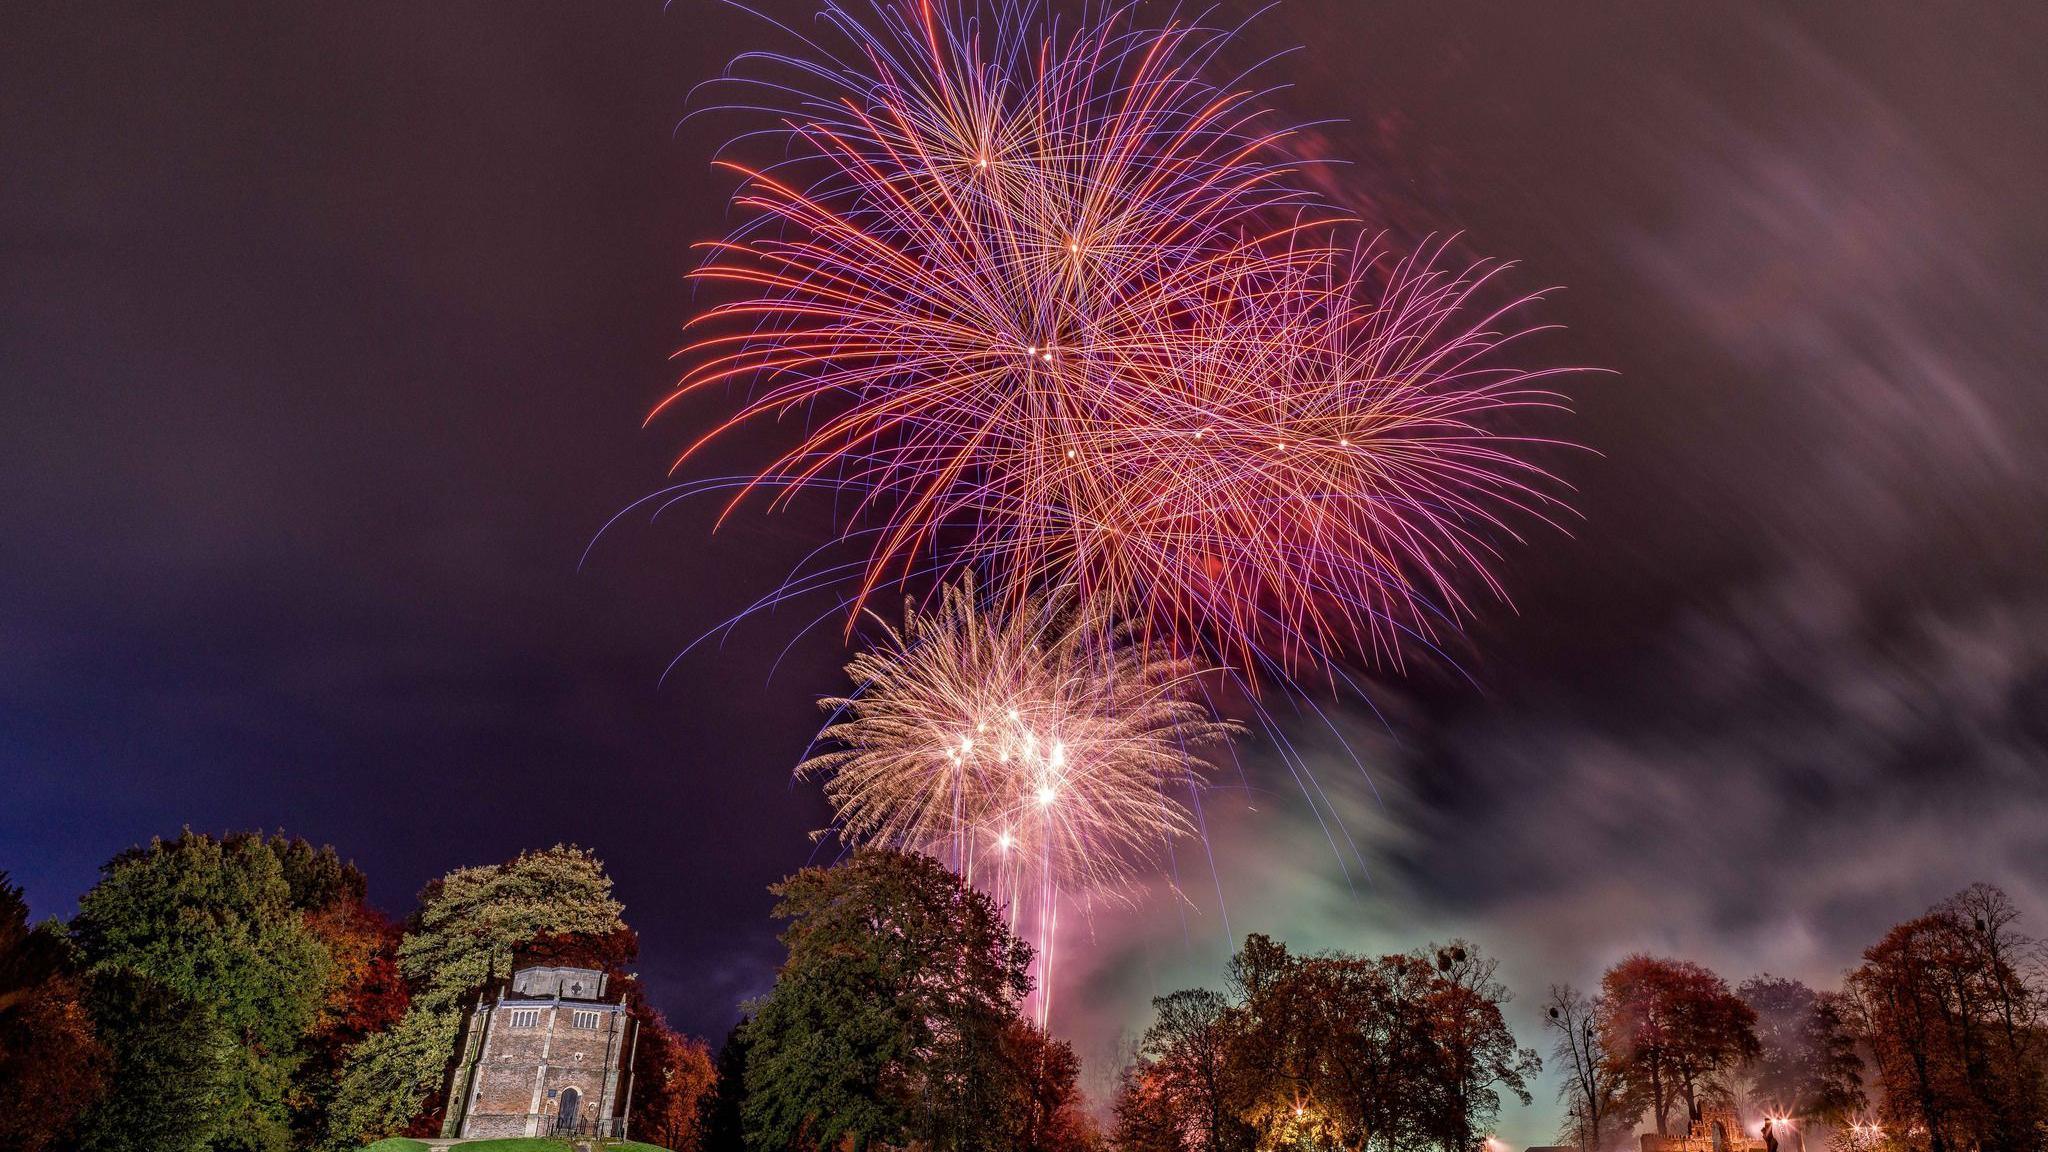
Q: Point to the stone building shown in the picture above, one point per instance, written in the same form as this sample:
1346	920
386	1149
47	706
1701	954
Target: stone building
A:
553	1053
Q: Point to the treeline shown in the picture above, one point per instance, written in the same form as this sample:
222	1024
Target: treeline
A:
895	1022
239	993
1936	1042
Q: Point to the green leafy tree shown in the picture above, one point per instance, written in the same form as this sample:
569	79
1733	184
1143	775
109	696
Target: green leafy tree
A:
210	923
172	1067
470	927
885	1023
723	1110
364	994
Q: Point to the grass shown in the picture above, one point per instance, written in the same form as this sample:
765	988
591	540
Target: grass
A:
396	1144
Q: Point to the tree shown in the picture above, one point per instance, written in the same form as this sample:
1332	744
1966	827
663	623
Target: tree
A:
51	1065
470	927
1953	1020
1144	1117
1807	1060
884	1021
723	1110
1474	1053
1274	1051
210	923
1375	1063
1345	1051
1587	1089
1186	1054
364	994
672	1075
170	1065
1672	1030
1043	1110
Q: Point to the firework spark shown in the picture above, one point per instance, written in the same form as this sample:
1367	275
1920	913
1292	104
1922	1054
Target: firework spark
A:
1026	748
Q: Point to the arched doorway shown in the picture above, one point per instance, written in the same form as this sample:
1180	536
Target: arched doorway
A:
565	1115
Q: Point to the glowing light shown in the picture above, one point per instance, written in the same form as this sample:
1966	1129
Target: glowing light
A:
1082	785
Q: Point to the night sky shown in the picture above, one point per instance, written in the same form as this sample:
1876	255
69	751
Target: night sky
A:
328	330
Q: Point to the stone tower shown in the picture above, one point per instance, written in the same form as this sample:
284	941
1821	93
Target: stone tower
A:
553	1053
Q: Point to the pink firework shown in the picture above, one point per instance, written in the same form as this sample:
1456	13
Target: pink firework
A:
1052	311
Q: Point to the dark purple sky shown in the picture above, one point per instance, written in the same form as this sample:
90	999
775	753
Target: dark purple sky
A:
327	330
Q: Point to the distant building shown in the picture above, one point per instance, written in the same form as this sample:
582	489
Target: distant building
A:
553	1053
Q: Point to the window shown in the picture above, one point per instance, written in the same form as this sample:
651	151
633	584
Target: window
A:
525	1017
586	1020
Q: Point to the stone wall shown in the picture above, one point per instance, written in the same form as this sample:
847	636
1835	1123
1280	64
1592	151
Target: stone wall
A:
524	1070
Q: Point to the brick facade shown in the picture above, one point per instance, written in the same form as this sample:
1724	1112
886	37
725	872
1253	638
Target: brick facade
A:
539	1056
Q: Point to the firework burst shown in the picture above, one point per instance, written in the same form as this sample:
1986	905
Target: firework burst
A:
1027	748
1052	312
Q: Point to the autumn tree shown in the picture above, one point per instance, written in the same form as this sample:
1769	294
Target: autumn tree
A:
1587	1085
1807	1061
1332	1050
1042	1110
469	929
51	1064
672	1076
200	948
884	1023
1473	1053
1143	1114
1952	1013
1374	1063
1185	1067
1273	1044
1673	1031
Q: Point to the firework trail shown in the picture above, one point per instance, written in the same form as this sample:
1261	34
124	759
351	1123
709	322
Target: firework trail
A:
1040	758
